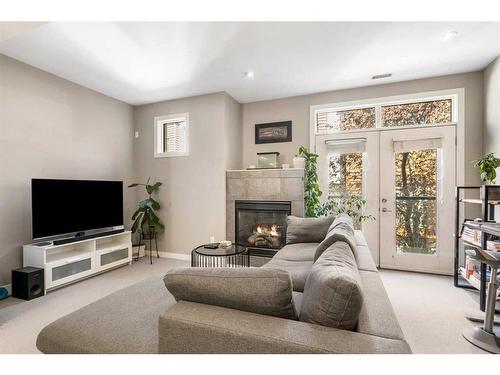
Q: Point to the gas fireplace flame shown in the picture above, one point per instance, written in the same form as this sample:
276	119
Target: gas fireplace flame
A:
266	235
269	231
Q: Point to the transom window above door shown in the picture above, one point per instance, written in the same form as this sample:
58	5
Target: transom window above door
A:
351	119
408	113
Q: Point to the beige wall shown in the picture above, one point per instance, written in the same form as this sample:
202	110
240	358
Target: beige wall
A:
297	110
193	194
51	128
492	108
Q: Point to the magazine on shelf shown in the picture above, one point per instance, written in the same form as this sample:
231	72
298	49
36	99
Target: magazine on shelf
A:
473	236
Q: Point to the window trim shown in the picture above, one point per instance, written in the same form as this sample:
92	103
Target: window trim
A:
378	103
159	139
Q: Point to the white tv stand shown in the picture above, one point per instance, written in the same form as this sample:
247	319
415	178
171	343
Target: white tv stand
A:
74	261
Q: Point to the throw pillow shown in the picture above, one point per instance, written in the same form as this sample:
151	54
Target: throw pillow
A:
341	232
307	229
333	295
264	291
341	219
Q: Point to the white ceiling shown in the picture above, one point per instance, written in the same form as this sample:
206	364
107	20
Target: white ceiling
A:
145	62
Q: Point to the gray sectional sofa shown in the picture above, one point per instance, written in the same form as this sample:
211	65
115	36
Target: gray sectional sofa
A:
312	297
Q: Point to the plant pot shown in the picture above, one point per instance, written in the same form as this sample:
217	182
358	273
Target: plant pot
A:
493	192
299	162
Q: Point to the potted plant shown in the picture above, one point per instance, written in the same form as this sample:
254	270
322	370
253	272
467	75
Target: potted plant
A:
352	206
312	192
299	161
487	168
145	218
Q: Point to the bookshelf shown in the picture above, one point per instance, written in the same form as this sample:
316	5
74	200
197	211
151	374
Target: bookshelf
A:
484	234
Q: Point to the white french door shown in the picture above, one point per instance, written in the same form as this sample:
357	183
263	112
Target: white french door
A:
417	179
348	164
407	177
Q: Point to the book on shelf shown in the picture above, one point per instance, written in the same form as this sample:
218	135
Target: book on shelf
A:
472	273
470	234
472	266
473	235
493	245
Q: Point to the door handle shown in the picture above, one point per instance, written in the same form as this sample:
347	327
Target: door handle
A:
386	210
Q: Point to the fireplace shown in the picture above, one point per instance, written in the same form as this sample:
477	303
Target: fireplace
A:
261	225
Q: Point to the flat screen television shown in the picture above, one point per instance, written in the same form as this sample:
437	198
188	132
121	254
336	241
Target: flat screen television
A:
71	206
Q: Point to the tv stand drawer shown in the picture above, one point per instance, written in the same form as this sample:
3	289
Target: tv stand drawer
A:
113	257
68	270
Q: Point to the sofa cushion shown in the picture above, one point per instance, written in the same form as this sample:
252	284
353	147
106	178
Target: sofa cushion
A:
298	252
259	290
360	238
307	229
363	254
299	271
121	323
364	259
333	294
377	316
341	219
341	232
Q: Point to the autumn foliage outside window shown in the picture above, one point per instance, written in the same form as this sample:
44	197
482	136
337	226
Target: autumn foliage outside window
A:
422	113
345	177
416	211
361	118
429	112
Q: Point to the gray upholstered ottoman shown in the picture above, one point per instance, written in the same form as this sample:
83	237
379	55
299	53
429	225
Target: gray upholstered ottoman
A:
123	322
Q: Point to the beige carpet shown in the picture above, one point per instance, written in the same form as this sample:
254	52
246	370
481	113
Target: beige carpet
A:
430	310
21	321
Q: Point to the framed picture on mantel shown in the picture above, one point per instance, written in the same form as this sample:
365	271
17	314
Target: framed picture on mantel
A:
273	132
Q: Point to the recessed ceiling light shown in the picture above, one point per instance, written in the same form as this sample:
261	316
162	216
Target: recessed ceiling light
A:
249	74
450	35
380	76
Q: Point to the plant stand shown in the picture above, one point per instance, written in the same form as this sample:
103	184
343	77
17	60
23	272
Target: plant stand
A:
143	237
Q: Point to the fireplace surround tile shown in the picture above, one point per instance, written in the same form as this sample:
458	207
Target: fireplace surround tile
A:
291	189
266	185
263	188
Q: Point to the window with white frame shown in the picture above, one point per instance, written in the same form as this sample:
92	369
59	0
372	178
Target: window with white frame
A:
171	135
385	114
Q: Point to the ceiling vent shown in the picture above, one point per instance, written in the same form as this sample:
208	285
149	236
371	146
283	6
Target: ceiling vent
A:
380	76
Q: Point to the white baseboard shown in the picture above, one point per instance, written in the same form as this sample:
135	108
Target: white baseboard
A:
167	254
8	287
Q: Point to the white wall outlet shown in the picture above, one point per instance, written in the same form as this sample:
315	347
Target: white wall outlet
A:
212	239
136	134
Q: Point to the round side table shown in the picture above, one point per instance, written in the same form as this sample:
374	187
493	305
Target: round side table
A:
231	256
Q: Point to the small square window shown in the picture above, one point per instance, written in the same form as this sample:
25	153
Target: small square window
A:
171	135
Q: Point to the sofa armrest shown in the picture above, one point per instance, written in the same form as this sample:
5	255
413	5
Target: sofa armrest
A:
189	327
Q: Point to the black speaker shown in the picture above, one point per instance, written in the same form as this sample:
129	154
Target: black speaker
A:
28	283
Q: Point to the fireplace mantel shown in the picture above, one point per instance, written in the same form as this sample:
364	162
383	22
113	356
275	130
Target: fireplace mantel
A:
265	185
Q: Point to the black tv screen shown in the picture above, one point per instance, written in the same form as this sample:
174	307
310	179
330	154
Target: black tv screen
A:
69	206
